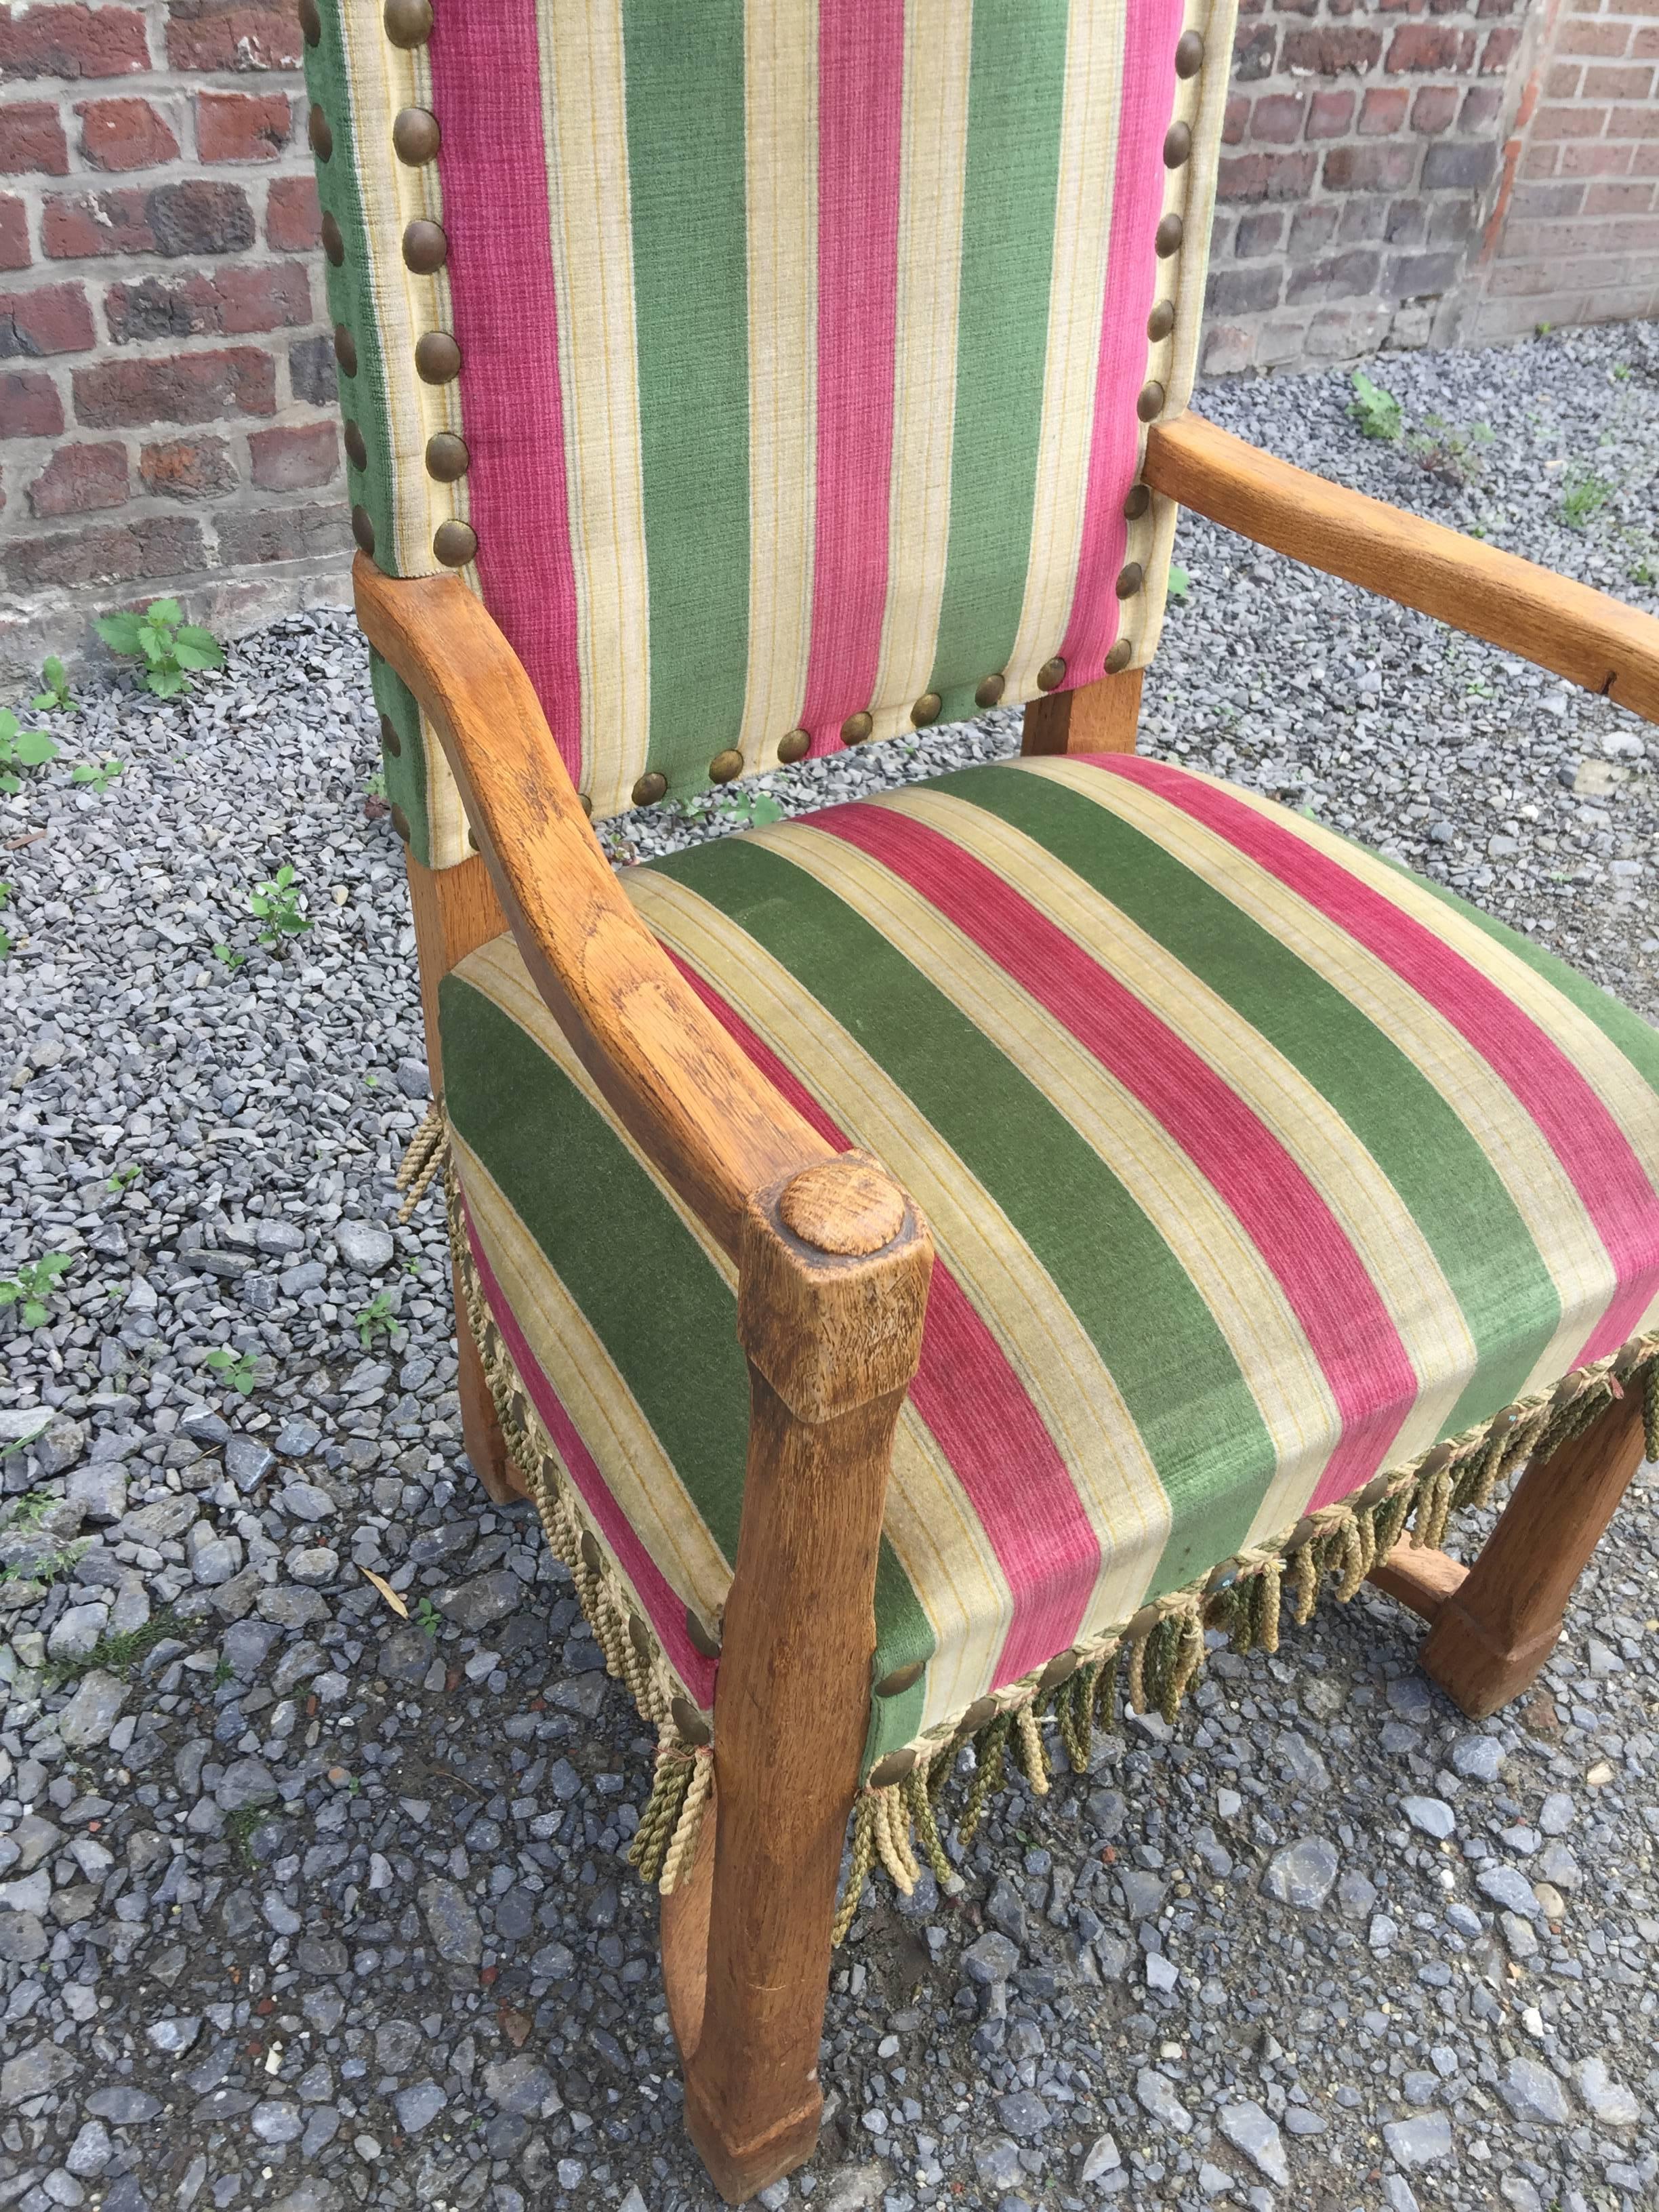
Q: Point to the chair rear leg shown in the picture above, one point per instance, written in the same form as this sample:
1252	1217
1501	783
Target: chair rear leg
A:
1097	718
480	1432
1493	1633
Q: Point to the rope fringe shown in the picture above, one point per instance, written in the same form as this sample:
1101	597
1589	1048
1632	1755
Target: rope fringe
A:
421	1162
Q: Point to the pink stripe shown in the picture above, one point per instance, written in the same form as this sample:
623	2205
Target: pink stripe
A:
1151	29
486	93
861	114
1616	1191
984	1422
665	1609
1344	1320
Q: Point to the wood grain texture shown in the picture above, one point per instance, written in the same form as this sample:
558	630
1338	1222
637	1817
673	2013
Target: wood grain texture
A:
480	1432
1577	633
1097	718
1423	1579
712	1123
455	910
1495	1632
792	1698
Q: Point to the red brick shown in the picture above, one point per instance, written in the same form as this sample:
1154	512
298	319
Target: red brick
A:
56	319
1568	123
295	459
130	552
187	468
1625	198
1581	34
1498	51
13	235
232	34
1267	176
79	478
1429	46
1454	166
195	387
293	218
1235	118
1434	107
235	301
1369	168
32	140
1277	118
1630	83
1382	112
1327	51
194	217
1539	161
29	405
1330	114
125	134
72	42
1634	122
1559	198
283	533
1260	232
1253	52
239	126
1562	80
1645	47
1481	106
1597	159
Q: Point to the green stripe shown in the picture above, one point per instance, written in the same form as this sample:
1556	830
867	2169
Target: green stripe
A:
686	126
1130	1293
1457	1198
405	770
1015	102
661	1309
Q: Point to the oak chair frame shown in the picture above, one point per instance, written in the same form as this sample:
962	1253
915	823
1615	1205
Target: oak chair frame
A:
833	1263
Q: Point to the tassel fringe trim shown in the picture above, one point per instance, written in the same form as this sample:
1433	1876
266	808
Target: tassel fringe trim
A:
1158	1655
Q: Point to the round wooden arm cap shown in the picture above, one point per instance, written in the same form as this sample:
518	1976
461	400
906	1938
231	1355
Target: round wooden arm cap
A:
842	1208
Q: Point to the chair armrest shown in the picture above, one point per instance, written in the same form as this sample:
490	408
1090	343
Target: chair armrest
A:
704	1112
1579	633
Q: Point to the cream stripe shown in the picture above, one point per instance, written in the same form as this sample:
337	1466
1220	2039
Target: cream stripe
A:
1542	1193
934	1531
585	124
781	128
1058	1362
938	52
1083	223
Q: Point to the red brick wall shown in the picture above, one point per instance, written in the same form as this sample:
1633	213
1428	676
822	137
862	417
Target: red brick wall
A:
166	376
1575	234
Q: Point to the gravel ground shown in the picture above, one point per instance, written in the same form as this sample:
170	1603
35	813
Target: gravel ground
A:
303	1904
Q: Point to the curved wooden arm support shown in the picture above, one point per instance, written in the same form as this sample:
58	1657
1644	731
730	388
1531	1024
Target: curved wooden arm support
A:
707	1117
1567	628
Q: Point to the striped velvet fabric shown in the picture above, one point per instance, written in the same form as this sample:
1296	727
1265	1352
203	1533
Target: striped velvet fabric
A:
801	351
1255	1166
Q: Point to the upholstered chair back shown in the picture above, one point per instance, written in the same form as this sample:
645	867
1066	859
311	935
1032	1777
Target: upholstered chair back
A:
778	371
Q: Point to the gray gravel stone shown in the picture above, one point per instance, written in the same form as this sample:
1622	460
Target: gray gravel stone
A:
92	1711
1425	2139
1508	1888
416	2107
1533	2092
1607	2099
1156	2095
1303	1873
452	1923
364	1245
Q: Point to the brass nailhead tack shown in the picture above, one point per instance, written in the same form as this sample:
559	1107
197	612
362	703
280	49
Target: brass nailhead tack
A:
1130	578
795	745
389	738
1136	502
1150	405
856	728
425	247
310	22
988	691
1058	1671
1177	145
472	838
415	136
455	544
689	1721
926	709
640	1635
400	823
437	358
333	242
357	450
593	1556
321	137
446	458
362	529
1051	675
1161	321
1171	231
977	1715
345	350
586	805
408	22
892	1769
651	787
703	1638
726	766
1189	53
1120	657
901	1679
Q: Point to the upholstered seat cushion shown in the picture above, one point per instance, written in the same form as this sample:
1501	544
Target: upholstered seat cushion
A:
1255	1166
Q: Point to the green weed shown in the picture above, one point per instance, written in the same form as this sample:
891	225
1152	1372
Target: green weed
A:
124	1178
1444	450
231	959
7	940
234	1369
1583	495
52	1567
1377	412
34	1285
97	775
1179	582
377	1314
54	696
427	1617
120	1653
20	748
277	905
169	646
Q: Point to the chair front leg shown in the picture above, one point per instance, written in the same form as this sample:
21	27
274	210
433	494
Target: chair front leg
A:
1101	717
833	1271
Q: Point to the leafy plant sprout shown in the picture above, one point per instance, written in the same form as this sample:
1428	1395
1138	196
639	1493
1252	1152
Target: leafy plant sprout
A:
100	775
34	1285
6	937
234	1369
54	696
125	1177
377	1314
170	647
277	905
427	1616
1583	495
20	748
1377	412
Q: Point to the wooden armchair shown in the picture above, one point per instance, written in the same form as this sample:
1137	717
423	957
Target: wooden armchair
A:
930	1256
